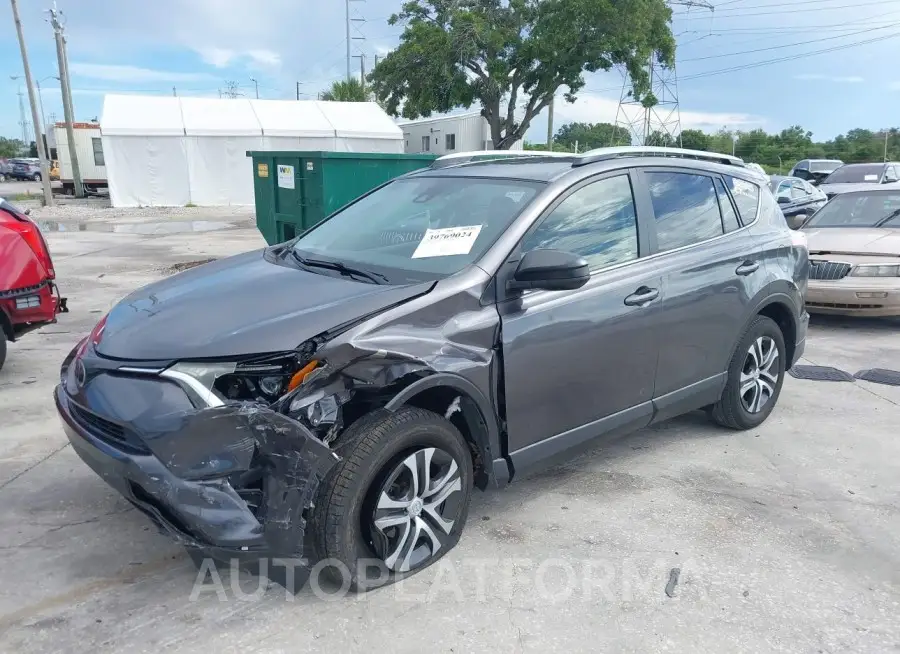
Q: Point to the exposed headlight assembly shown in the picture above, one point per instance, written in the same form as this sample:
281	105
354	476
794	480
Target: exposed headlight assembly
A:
261	379
876	270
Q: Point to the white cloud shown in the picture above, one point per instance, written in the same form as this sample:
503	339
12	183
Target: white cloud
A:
596	109
218	57
894	86
223	57
838	79
264	57
116	73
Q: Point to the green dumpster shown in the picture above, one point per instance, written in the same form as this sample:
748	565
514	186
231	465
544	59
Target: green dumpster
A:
295	190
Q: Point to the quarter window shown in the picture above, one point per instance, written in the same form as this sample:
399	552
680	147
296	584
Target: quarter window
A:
746	198
597	222
798	192
686	209
729	215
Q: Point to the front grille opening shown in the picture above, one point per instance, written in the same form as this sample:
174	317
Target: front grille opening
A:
108	431
843	305
829	270
250	488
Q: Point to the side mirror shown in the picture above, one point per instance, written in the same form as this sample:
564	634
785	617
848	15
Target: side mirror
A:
550	270
888	179
795	222
783	199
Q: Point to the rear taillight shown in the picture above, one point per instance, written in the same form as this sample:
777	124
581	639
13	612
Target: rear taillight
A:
31	234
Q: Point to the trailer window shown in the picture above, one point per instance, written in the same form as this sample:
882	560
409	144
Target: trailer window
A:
98	152
451	142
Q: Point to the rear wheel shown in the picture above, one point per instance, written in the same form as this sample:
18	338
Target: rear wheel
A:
36	177
755	377
397	502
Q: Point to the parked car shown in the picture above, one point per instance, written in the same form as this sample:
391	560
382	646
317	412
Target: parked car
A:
5	169
797	198
29	297
854	246
453	328
849	176
25	169
815	170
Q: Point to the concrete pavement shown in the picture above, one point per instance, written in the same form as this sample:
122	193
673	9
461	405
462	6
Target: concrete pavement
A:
787	537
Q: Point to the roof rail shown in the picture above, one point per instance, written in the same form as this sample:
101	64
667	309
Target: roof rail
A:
602	154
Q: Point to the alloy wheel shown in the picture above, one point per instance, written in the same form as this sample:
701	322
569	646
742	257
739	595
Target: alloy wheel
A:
759	376
416	508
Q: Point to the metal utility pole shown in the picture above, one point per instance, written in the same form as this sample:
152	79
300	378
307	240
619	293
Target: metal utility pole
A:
298	90
347	35
42	153
886	133
174	92
23	122
256	84
41	100
550	125
66	91
663	118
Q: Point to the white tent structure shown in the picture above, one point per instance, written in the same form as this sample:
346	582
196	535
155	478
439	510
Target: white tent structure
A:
163	151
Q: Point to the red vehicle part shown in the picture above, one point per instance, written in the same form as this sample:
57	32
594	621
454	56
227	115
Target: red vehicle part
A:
28	294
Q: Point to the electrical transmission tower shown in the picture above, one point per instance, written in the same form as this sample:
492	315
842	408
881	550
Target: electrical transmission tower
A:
232	90
661	123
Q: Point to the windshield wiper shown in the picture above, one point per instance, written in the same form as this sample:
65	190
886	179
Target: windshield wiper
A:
340	267
887	218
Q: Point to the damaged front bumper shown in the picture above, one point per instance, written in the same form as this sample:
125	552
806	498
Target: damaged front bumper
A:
231	482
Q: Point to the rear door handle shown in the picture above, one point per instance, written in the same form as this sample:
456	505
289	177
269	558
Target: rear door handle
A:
642	296
747	268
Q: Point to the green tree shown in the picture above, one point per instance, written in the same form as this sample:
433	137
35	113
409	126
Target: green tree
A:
10	147
662	140
456	53
590	135
350	90
694	139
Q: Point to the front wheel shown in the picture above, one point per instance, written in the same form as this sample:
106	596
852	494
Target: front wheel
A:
36	177
398	500
755	377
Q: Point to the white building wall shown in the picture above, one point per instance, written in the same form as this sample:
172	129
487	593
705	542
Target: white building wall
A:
91	169
468	132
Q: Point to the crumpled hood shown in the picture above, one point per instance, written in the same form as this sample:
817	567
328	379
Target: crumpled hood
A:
854	240
237	306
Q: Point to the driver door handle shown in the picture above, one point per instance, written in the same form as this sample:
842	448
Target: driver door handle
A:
747	268
642	296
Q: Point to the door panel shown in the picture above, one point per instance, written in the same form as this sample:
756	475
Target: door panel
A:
573	358
578	363
706	286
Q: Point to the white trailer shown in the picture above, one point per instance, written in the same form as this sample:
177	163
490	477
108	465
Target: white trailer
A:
449	134
88	149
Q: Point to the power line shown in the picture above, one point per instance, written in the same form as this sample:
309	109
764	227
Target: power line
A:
768	62
685	16
789	45
782	5
779	60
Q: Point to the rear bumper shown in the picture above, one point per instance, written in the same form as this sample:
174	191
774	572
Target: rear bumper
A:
30	308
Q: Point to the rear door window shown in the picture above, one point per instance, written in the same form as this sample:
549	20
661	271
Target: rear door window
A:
746	198
686	208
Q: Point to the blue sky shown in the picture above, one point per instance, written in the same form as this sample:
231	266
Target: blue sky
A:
197	46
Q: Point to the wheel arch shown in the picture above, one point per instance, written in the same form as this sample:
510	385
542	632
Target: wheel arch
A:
472	415
780	306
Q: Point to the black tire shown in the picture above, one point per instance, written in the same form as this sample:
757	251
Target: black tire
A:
36	177
2	349
369	450
730	411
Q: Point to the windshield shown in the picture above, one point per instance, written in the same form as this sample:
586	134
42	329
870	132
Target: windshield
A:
856	173
859	210
419	228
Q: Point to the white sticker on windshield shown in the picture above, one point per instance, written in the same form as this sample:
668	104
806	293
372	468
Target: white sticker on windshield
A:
515	196
447	242
871	178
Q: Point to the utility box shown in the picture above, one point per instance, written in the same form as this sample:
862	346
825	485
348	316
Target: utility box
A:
296	190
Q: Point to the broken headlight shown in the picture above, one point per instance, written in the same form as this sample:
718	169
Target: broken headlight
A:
260	379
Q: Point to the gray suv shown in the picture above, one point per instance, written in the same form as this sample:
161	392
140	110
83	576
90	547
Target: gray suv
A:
454	328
